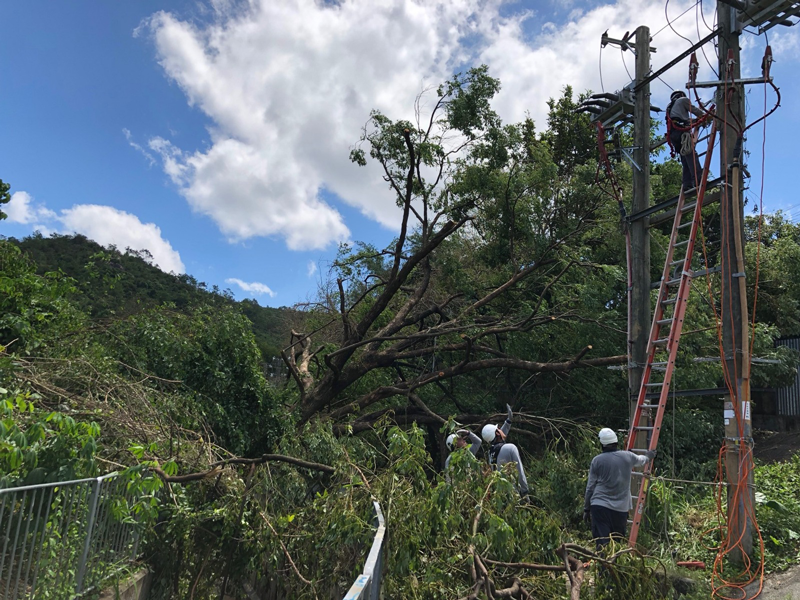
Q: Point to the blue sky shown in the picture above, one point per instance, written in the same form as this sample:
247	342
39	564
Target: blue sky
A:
215	134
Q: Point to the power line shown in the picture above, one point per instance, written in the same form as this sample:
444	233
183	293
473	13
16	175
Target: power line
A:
702	49
669	23
703	15
675	19
622	54
600	65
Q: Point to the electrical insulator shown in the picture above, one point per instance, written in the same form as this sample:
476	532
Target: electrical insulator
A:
694	66
766	62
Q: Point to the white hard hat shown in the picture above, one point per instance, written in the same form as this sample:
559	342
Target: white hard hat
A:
488	432
607	436
450	442
677	94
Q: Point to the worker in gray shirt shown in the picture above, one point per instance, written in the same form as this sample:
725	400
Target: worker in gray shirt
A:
679	135
501	452
458	440
608	491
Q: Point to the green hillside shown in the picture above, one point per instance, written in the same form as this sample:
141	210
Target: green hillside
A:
111	282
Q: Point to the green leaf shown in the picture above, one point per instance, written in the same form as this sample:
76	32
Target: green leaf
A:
137	450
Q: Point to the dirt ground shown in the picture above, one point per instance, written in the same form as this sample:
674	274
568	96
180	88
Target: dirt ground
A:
780	586
772	446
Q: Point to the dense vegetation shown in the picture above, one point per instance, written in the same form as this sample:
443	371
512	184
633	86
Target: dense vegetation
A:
114	283
505	284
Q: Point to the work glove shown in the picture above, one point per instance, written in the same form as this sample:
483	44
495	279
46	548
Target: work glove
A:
587	517
650	454
510	413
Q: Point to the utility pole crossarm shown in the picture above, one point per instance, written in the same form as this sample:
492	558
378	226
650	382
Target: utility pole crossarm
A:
652	76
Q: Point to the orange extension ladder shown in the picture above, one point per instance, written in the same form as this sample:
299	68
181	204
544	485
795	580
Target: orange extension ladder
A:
665	335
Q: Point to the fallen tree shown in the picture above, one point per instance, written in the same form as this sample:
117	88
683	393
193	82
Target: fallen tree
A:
413	315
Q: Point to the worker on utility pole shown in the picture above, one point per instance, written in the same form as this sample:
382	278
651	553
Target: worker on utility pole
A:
608	491
501	452
458	440
679	137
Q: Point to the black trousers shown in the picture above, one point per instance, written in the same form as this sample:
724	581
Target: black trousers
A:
607	523
692	171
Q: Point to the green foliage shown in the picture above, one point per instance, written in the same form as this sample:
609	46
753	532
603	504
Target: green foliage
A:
211	350
38	446
34	309
570	135
778	511
689	442
110	282
778	259
5	197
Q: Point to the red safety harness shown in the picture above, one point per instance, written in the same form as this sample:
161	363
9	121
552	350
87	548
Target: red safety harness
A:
673	126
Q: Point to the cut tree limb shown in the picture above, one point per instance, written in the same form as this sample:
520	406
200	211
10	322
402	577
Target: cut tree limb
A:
217	467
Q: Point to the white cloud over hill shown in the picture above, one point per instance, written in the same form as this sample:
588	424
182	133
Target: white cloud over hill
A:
104	224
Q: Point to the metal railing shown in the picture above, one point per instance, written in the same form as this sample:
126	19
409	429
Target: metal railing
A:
61	540
368	584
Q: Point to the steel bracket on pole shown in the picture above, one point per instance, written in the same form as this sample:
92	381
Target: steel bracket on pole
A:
709	84
765	15
626	152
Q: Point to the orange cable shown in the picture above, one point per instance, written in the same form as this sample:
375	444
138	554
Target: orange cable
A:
741	492
718	581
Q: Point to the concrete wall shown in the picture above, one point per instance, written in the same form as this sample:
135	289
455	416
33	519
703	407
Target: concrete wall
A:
136	587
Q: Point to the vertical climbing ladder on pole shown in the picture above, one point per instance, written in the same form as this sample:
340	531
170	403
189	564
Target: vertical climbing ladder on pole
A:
665	334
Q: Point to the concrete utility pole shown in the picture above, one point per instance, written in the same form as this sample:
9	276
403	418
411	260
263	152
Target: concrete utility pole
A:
735	330
640	231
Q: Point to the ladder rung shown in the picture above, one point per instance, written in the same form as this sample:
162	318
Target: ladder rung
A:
684	225
654	384
664	322
689	206
670	301
674	281
683	243
661	342
675	263
644	427
638	451
649	406
637	474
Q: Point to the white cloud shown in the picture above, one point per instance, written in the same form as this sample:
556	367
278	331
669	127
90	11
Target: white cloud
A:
22	209
107	225
312	268
103	224
150	160
288	85
254	288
